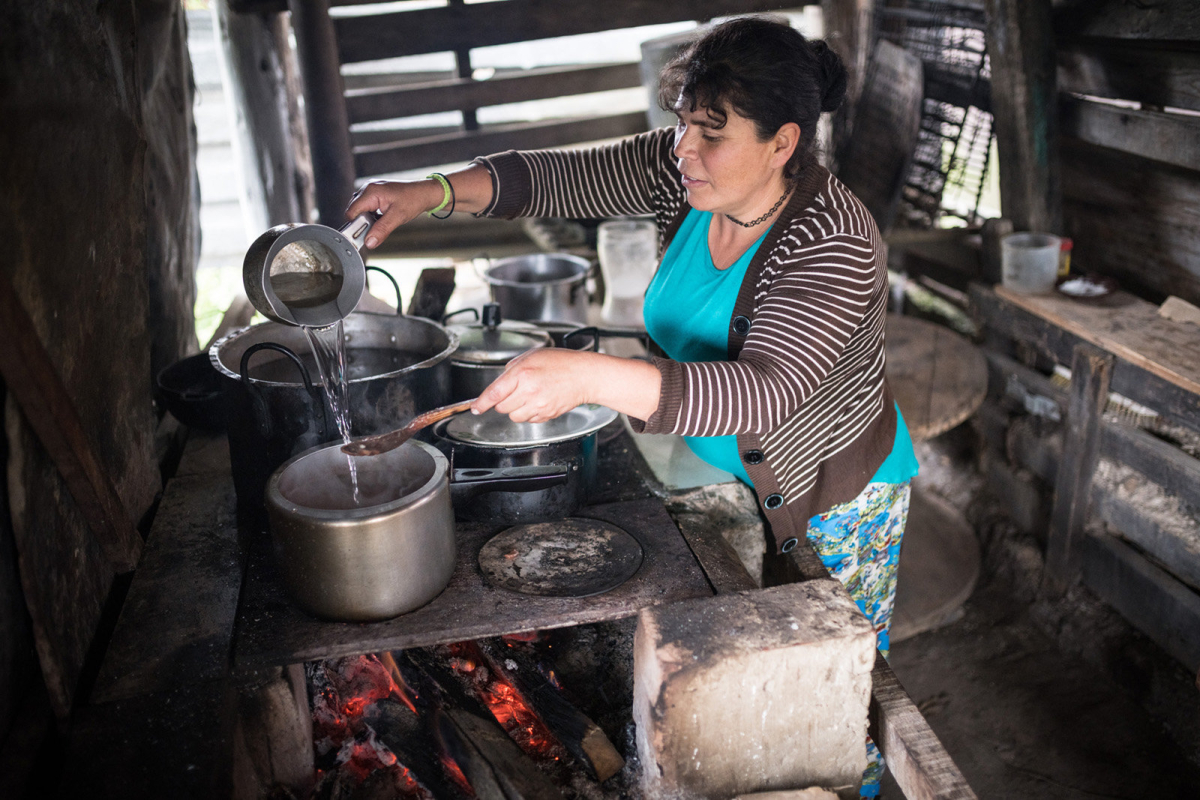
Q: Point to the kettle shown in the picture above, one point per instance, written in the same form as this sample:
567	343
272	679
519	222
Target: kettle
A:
308	274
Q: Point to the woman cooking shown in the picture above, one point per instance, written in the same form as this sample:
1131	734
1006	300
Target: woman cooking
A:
769	300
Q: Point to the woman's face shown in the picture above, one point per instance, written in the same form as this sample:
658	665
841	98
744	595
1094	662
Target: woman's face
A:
727	169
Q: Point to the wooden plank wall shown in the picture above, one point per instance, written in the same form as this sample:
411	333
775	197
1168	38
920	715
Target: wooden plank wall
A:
459	28
1131	169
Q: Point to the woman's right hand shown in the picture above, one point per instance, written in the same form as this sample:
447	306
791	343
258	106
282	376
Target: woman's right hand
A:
399	202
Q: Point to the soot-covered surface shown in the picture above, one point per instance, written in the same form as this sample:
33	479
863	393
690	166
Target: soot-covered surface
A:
271	630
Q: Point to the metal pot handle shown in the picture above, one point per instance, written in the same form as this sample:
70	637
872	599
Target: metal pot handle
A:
259	403
468	483
395	285
356	230
609	333
481	273
473	310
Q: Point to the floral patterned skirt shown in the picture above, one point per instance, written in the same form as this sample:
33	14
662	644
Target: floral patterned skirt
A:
859	543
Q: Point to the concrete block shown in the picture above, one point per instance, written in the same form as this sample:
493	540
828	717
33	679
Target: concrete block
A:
752	692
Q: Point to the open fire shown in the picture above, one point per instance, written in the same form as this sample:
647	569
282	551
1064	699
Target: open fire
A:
463	720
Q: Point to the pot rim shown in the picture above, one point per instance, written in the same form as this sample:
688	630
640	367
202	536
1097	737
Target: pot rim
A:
577	260
451	346
345	517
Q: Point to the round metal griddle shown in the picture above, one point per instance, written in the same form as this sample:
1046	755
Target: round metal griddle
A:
564	558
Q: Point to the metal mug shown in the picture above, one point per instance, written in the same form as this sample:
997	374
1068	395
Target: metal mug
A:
308	274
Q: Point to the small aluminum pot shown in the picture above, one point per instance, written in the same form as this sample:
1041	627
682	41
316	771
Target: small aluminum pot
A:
540	286
491	441
392	554
485	348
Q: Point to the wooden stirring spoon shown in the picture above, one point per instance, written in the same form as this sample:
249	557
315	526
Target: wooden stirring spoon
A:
383	442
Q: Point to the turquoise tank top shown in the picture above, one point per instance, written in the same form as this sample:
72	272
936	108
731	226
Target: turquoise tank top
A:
687	310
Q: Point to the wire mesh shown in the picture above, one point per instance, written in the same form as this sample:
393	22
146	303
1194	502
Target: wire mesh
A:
949	168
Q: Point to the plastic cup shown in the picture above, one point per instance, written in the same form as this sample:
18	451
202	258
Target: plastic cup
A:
1029	262
628	252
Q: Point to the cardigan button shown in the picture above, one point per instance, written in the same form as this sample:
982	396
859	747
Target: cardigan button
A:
789	545
741	325
773	501
753	457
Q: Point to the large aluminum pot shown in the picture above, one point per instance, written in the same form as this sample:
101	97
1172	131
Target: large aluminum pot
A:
393	554
397	367
389	550
540	286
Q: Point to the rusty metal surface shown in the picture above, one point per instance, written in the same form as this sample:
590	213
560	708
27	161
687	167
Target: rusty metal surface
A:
571	558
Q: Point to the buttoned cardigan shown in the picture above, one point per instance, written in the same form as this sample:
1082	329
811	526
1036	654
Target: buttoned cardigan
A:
803	388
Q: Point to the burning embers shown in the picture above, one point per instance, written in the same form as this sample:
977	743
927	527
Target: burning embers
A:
473	719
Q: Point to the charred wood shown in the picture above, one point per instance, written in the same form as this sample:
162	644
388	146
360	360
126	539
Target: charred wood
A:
582	737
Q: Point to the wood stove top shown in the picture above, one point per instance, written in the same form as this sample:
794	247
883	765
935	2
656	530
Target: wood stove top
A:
271	631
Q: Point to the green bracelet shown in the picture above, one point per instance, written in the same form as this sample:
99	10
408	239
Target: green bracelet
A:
447	196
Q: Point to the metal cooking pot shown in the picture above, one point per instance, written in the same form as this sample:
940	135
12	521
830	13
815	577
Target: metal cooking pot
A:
393	550
397	367
485	348
491	440
540	286
307	274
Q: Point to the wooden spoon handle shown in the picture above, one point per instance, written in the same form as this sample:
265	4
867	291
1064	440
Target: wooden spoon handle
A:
383	442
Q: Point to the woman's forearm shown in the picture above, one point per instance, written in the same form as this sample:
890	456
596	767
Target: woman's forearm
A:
631	386
399	202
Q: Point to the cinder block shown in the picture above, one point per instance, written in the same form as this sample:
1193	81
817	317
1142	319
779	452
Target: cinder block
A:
752	692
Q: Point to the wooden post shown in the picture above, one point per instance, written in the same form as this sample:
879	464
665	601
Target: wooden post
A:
462	66
1020	44
848	28
325	108
1091	370
993	231
254	70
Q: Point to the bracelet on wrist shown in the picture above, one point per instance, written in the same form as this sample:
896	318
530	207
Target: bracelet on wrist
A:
447	196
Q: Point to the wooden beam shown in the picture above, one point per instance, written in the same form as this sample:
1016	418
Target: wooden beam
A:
464	93
1166	610
1140	385
325	108
1170	138
29	374
450	148
915	756
1179	554
1169	20
1127	71
1168	467
432	30
1091	370
1020	45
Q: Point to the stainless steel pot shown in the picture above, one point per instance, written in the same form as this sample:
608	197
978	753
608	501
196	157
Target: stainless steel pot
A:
307	274
389	552
486	348
397	366
540	286
492	441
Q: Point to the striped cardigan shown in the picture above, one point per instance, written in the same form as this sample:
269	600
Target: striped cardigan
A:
804	387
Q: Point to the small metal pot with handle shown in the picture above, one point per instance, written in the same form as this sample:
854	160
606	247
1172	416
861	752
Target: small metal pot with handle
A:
388	552
486	347
307	274
540	286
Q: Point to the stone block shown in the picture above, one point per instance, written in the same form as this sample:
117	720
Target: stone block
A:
753	692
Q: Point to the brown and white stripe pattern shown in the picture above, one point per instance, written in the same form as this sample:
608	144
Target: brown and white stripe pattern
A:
809	377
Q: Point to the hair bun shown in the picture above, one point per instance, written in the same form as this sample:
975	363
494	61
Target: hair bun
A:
833	74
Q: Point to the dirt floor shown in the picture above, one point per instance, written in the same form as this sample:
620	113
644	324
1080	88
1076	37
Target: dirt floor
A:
1045	700
1022	719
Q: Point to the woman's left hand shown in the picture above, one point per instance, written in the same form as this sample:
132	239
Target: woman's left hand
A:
539	385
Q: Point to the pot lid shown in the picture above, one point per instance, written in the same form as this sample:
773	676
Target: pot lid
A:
479	344
493	429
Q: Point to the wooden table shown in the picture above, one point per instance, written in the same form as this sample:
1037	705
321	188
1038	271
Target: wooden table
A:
938	377
1126	326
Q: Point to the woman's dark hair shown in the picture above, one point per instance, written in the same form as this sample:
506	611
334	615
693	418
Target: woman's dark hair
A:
766	71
